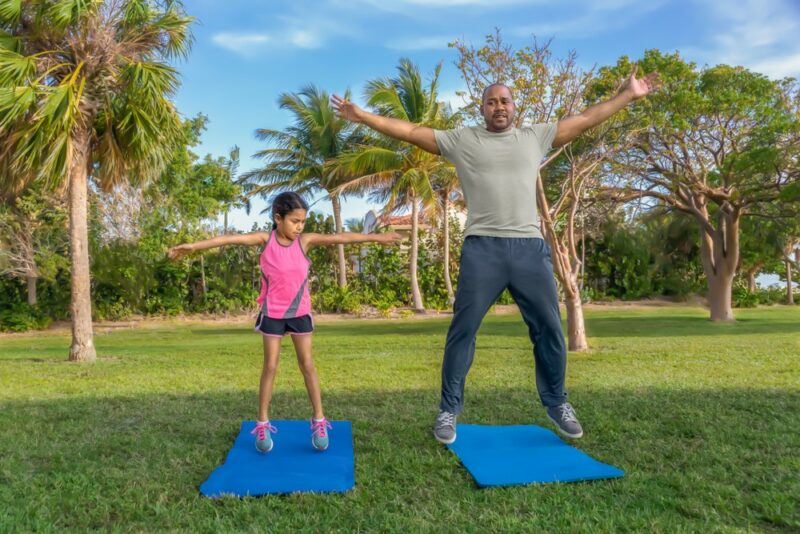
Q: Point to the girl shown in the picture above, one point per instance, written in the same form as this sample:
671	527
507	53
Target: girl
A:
285	303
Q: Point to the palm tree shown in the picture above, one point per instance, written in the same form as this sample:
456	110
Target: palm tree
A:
355	225
245	186
398	175
84	94
297	160
448	191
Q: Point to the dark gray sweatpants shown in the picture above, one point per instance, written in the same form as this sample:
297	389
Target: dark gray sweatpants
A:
488	266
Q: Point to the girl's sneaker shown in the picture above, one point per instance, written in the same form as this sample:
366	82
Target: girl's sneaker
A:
319	433
263	432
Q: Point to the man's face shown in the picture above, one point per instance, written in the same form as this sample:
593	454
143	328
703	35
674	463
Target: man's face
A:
498	108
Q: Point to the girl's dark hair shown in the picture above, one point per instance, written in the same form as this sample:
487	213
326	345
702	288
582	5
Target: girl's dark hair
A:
285	203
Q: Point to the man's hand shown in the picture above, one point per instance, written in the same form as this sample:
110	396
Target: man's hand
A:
178	252
389	238
346	109
638	88
421	136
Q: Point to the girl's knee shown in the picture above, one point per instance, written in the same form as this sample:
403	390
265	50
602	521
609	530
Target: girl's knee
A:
270	367
306	366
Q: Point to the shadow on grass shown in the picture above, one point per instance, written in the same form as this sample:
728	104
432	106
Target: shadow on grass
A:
692	458
622	326
686	325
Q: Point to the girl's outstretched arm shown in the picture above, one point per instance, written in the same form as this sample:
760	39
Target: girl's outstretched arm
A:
312	240
251	239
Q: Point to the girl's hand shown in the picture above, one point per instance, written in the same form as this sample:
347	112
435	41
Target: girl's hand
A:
389	238
178	252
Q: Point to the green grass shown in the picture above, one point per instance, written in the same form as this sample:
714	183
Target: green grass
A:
704	419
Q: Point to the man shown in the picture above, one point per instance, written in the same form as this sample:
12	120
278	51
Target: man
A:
498	167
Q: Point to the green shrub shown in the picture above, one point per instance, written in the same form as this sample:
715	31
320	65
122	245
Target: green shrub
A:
21	317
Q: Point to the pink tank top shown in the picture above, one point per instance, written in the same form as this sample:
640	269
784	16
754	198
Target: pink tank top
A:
284	280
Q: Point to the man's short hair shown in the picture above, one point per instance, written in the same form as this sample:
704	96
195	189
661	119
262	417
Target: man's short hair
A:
485	89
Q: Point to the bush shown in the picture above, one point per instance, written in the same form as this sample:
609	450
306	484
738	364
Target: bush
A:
771	295
106	310
21	316
741	298
337	300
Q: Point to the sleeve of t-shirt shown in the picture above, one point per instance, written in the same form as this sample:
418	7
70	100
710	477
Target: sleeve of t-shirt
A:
447	141
545	133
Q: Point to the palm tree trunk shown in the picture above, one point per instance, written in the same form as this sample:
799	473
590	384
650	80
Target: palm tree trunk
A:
789	291
447	282
225	222
337	220
416	295
82	348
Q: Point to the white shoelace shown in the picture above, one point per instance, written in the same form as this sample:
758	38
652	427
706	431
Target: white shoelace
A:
568	413
446	419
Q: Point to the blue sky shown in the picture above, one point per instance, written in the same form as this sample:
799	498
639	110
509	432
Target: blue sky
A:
247	52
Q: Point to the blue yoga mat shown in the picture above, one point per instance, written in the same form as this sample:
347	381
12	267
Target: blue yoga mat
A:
292	465
523	454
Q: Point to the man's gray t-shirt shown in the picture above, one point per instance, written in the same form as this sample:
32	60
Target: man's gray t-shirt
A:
498	173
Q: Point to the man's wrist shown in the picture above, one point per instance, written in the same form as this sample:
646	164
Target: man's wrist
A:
627	95
361	116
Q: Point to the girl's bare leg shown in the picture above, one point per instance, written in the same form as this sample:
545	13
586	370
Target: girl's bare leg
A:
302	346
272	349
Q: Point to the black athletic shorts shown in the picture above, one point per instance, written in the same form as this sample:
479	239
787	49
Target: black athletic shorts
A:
281	327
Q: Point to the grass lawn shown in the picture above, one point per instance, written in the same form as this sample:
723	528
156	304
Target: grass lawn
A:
704	419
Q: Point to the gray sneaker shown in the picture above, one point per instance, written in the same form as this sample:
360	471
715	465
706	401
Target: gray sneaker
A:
444	430
565	419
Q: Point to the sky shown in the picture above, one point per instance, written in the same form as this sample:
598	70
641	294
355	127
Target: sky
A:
247	52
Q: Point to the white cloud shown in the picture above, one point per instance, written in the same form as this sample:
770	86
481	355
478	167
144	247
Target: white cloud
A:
399	5
758	34
305	39
781	67
450	96
597	17
243	43
308	33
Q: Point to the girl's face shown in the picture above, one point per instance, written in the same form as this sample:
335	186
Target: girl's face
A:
291	224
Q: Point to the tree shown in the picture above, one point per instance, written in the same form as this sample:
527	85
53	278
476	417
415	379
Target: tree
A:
718	143
398	175
32	237
446	186
297	160
84	94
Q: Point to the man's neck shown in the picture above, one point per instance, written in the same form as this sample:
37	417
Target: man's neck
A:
489	129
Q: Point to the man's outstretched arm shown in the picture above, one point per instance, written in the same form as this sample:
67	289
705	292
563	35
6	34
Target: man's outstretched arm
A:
421	136
571	127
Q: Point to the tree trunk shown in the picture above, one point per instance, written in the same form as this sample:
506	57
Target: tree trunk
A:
82	348
416	295
751	281
337	220
565	273
789	289
225	222
719	253
203	286
447	282
576	331
719	297
31	279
